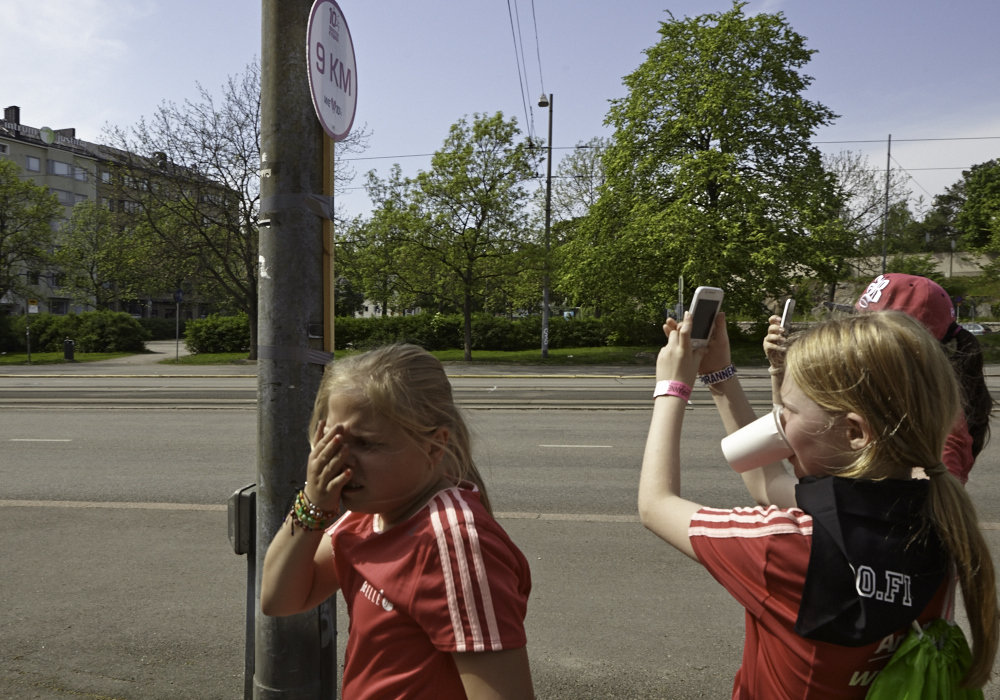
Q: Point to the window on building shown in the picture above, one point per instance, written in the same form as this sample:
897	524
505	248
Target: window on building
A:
79	173
64	197
77	198
57	167
33	164
106	177
4	149
33	277
58	279
59	306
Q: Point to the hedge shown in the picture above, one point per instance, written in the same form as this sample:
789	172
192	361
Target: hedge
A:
91	331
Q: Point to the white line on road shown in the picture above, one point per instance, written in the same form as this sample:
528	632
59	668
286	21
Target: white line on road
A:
585	447
510	515
40	440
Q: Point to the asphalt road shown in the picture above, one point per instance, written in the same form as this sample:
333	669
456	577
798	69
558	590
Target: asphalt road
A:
118	579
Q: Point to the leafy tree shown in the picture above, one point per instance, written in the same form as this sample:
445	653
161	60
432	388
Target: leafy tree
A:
459	232
577	180
27	211
105	260
711	173
978	218
192	171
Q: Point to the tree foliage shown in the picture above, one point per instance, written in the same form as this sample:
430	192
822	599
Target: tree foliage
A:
106	259
455	236
27	212
711	173
978	219
193	172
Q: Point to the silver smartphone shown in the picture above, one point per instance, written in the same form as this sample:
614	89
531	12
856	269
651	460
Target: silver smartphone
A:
786	315
704	306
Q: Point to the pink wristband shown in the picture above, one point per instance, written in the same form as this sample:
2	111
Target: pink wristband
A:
667	387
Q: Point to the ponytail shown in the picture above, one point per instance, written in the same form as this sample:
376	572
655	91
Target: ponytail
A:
956	524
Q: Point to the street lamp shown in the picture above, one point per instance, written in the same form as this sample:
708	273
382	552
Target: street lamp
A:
544	101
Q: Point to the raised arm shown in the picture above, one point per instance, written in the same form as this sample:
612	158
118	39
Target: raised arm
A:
298	572
770	484
661	508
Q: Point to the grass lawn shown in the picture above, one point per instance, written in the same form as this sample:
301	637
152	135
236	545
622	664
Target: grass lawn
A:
745	354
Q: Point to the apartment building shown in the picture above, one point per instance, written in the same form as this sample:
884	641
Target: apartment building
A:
74	171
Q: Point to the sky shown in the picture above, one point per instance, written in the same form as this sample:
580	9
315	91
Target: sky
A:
923	71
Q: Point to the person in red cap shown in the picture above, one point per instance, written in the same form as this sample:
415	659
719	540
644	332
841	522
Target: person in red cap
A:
925	300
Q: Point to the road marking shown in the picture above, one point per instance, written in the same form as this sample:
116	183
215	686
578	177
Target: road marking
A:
112	504
117	505
40	440
602	447
510	515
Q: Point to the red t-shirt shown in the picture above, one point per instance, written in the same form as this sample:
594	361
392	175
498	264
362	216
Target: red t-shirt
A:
761	555
447	580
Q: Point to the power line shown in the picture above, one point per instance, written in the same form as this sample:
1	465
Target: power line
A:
538	51
519	60
949	138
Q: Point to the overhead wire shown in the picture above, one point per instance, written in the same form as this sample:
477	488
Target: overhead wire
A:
521	75
538	50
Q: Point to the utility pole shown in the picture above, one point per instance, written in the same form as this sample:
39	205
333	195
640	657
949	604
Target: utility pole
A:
885	213
294	657
547	102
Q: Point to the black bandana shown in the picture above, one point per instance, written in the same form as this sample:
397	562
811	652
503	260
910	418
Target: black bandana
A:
873	566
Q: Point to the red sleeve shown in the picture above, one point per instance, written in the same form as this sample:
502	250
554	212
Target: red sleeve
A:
957	455
474	584
759	555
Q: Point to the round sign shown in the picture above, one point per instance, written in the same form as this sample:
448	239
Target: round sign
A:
333	74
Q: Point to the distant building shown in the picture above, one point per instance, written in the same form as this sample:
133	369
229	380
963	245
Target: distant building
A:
74	171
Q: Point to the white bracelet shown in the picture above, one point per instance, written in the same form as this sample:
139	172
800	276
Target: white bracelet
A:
718	376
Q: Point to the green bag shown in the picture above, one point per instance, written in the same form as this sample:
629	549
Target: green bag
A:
928	665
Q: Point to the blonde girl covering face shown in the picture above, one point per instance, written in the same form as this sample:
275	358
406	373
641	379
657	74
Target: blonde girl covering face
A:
388	442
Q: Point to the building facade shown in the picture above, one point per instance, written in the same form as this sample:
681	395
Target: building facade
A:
74	171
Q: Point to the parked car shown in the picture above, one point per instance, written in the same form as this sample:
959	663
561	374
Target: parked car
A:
976	328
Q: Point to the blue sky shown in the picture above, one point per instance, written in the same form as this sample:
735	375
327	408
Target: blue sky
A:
926	72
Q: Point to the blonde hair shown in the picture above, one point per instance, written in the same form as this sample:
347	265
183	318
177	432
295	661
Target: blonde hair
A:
886	367
408	386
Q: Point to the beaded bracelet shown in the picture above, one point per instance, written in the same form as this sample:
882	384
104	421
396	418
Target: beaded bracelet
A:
717	376
308	516
666	387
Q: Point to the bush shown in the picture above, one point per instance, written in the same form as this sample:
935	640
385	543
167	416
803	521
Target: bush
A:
105	331
443	332
92	331
218	334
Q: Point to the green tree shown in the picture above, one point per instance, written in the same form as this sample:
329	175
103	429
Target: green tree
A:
27	211
106	260
711	173
460	235
193	173
978	217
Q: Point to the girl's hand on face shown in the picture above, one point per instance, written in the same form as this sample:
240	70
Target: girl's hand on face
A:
677	359
326	470
775	342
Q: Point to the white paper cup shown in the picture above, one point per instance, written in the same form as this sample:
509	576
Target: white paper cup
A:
757	443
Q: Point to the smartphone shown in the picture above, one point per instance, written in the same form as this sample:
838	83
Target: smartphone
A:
704	305
786	315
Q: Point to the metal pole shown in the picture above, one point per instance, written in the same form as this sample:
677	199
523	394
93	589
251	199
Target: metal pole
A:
885	215
177	331
548	228
289	660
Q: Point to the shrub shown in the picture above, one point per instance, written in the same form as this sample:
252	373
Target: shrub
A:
218	334
105	331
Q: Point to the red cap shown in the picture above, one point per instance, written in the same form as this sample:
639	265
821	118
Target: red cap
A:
921	298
